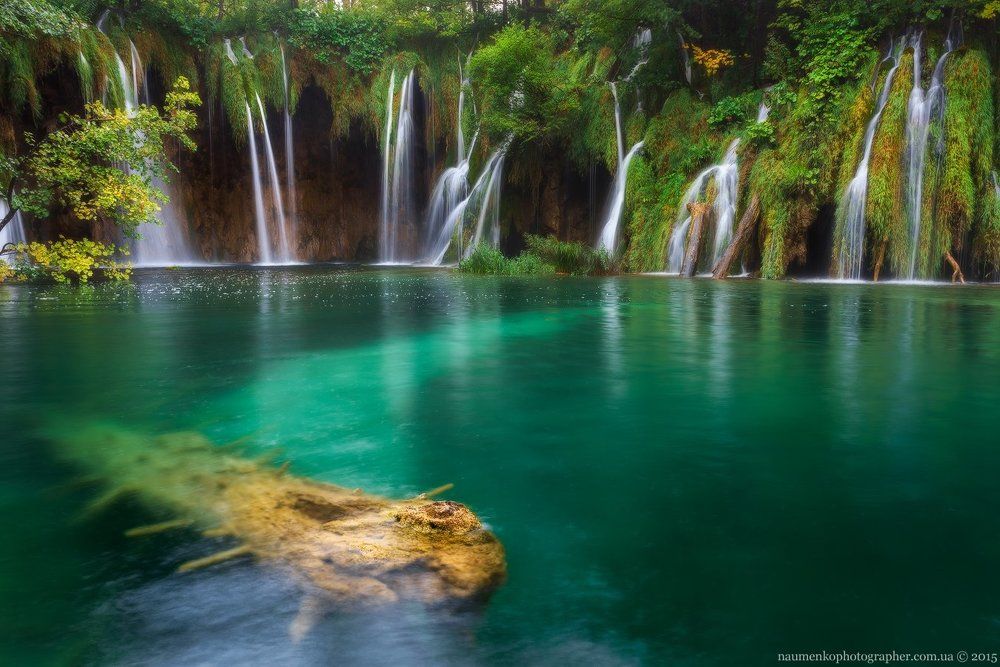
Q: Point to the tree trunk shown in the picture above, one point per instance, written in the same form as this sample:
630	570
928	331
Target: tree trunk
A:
743	233
956	273
699	216
880	260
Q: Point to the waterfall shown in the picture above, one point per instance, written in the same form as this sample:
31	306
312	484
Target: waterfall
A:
228	46
386	157
996	183
686	57
484	194
13	232
167	243
285	252
851	212
397	185
726	176
922	108
609	232
640	43
263	238
450	190
289	148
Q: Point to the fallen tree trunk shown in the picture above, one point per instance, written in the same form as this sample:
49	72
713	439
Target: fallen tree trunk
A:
743	233
699	216
956	273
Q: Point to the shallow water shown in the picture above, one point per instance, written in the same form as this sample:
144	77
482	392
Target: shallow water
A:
684	471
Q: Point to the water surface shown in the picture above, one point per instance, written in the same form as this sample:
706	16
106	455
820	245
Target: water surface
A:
684	471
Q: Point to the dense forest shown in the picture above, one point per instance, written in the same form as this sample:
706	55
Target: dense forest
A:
851	138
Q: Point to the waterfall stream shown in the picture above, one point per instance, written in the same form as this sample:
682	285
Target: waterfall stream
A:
726	176
165	243
397	171
264	255
923	108
850	246
451	189
285	254
608	239
13	232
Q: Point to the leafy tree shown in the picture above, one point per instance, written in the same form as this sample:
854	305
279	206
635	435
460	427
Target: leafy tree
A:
100	166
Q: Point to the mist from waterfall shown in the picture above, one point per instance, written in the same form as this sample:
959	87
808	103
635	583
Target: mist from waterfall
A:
608	239
850	246
923	108
397	171
726	176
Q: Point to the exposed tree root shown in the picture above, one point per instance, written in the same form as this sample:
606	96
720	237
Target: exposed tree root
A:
956	273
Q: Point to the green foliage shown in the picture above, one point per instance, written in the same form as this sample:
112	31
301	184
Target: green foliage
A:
759	135
357	38
488	261
67	260
34	18
79	166
573	258
521	92
734	110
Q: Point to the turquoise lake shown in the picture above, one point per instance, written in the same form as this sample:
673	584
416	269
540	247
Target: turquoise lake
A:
681	471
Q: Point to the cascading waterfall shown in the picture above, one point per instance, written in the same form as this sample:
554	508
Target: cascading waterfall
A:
450	190
609	232
289	148
996	183
167	243
922	108
641	43
386	157
726	176
851	212
397	186
263	236
285	253
484	198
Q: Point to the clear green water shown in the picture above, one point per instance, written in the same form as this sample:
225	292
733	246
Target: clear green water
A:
680	471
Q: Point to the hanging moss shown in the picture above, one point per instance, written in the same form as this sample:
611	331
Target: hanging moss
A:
678	143
887	233
964	193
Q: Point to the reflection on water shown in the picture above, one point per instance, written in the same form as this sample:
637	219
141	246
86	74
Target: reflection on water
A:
679	470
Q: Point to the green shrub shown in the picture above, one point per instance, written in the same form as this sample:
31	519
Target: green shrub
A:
488	261
574	258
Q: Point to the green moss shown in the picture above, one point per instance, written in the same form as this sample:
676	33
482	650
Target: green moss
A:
887	229
964	192
678	143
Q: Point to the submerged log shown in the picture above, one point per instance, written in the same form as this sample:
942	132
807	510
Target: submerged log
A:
699	219
342	545
743	233
956	273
